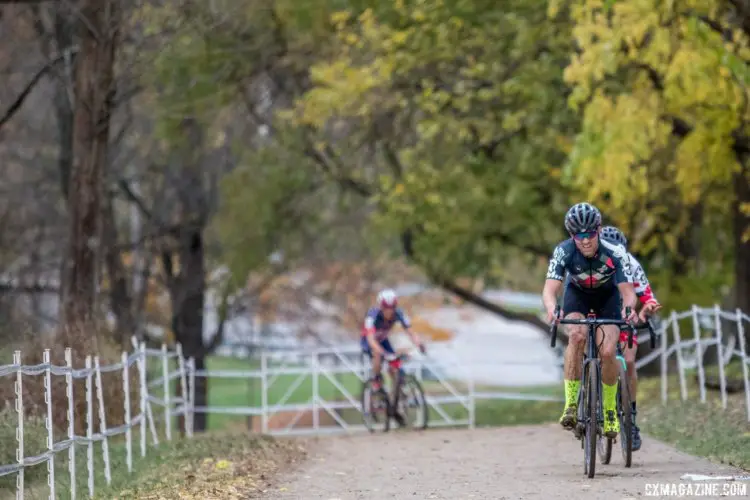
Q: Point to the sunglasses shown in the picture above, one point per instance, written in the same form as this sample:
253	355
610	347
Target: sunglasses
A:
588	234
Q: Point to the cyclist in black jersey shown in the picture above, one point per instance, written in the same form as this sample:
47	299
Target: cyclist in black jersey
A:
600	281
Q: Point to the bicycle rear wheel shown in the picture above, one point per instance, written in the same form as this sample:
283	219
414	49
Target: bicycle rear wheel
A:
591	401
376	407
412	403
624	412
604	447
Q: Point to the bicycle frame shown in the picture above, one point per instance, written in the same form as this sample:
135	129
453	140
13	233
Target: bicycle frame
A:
395	365
591	355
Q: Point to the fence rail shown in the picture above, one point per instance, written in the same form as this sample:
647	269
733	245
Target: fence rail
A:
452	396
726	334
91	374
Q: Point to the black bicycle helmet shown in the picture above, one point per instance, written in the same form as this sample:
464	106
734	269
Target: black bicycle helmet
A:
611	233
582	217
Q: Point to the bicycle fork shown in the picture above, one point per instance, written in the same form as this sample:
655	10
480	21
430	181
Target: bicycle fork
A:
590	358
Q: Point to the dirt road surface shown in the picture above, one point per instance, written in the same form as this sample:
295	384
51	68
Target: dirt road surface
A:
516	463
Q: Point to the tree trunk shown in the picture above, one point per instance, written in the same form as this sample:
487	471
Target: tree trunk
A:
93	93
688	243
188	298
120	294
64	26
742	249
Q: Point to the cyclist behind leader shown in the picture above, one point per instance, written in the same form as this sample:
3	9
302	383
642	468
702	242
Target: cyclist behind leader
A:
600	275
649	305
378	323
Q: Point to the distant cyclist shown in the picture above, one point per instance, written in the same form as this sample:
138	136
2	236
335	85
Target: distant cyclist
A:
649	306
377	326
600	275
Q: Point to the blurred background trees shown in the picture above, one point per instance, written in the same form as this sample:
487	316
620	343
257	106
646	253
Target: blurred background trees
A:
169	164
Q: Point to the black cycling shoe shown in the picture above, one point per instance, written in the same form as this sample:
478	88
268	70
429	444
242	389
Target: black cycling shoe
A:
636	438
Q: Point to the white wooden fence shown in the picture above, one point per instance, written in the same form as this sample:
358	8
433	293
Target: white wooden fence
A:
687	336
92	374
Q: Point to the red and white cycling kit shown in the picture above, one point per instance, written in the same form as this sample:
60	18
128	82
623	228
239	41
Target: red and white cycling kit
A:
642	290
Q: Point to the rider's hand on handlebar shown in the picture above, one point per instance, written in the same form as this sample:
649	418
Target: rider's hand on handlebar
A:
648	309
551	316
630	318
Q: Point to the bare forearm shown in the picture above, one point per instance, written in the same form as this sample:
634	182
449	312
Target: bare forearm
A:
374	345
629	298
414	337
549	294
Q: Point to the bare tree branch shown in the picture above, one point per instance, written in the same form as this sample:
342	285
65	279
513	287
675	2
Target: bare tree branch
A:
469	296
134	198
18	102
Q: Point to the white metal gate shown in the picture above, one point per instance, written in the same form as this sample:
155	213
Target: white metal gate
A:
317	391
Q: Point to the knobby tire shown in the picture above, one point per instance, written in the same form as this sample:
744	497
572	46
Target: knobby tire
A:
591	423
379	394
626	417
409	382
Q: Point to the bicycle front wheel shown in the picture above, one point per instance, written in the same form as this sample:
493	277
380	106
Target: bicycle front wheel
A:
376	407
412	403
591	422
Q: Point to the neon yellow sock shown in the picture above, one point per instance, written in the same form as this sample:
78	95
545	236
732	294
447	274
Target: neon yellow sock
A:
609	397
571	392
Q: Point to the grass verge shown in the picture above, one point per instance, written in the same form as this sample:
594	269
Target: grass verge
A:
702	429
224	465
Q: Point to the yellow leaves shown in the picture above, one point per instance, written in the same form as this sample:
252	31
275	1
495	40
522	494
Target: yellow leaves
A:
342	89
340	18
619	137
418	15
223	464
428	129
433	199
399	37
685	72
553	8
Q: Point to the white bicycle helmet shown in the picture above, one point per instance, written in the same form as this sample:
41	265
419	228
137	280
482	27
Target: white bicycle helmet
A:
387	298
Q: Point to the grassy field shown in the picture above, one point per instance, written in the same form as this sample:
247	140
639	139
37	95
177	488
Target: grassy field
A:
703	429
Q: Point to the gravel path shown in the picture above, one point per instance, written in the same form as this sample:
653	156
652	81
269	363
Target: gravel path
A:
510	463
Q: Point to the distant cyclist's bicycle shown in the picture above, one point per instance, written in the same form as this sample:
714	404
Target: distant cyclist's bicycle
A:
378	408
590	409
625	412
